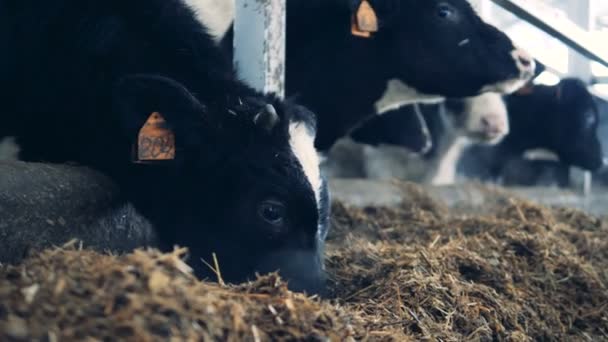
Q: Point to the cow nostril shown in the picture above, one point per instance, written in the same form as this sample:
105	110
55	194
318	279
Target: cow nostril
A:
492	125
485	123
524	61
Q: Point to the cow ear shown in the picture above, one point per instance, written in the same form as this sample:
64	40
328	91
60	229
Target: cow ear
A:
156	111
364	20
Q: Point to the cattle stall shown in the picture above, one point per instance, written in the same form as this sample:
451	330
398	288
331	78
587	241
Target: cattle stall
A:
425	229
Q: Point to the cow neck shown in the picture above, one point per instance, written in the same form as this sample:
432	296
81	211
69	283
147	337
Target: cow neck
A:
335	74
530	127
450	147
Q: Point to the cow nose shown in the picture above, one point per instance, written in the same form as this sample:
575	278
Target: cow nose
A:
303	270
525	63
493	125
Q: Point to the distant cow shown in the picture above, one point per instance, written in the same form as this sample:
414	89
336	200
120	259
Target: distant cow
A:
561	119
408	129
422	50
138	90
453	125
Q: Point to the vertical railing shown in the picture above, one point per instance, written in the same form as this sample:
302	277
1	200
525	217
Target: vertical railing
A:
259	44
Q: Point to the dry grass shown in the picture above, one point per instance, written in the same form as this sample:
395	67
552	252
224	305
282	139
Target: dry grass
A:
68	294
515	272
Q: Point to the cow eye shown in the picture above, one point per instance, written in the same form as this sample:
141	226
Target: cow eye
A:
445	11
273	212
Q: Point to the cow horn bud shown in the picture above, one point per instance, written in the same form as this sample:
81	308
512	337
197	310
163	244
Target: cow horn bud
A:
267	118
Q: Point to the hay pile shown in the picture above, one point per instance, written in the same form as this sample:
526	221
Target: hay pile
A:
518	272
515	272
68	294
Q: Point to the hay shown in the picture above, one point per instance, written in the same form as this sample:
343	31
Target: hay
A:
523	273
515	271
68	294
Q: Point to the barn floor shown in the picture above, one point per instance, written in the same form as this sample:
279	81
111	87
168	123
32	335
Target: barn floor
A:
422	269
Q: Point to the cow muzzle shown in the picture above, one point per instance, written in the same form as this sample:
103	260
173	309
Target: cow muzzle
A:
302	270
525	64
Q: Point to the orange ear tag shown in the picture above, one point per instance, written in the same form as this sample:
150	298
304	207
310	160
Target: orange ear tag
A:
365	21
155	141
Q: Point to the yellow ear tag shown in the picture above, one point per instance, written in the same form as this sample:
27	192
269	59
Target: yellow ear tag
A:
365	21
155	141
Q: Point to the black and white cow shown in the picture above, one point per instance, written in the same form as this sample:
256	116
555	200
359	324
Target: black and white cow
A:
78	80
406	127
561	119
423	50
480	120
453	126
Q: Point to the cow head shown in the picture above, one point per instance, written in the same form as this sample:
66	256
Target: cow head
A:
244	183
573	122
482	118
442	47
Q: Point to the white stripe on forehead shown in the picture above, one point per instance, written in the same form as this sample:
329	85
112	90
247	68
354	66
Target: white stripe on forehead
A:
303	147
216	15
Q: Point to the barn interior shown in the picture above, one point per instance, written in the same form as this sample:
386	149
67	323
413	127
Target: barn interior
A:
518	257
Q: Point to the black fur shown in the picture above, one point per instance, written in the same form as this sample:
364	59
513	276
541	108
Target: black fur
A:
401	127
78	78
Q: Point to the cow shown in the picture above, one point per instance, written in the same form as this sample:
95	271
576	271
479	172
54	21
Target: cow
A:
602	102
421	51
140	91
480	120
453	125
405	126
561	119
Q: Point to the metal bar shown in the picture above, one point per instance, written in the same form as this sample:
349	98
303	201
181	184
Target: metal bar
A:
259	44
600	79
587	181
580	13
560	28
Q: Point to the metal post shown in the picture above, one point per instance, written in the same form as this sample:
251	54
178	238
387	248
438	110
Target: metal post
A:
587	182
259	44
580	13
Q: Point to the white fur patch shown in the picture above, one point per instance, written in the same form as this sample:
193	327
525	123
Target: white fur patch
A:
303	147
216	15
458	136
9	150
398	94
489	106
445	172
